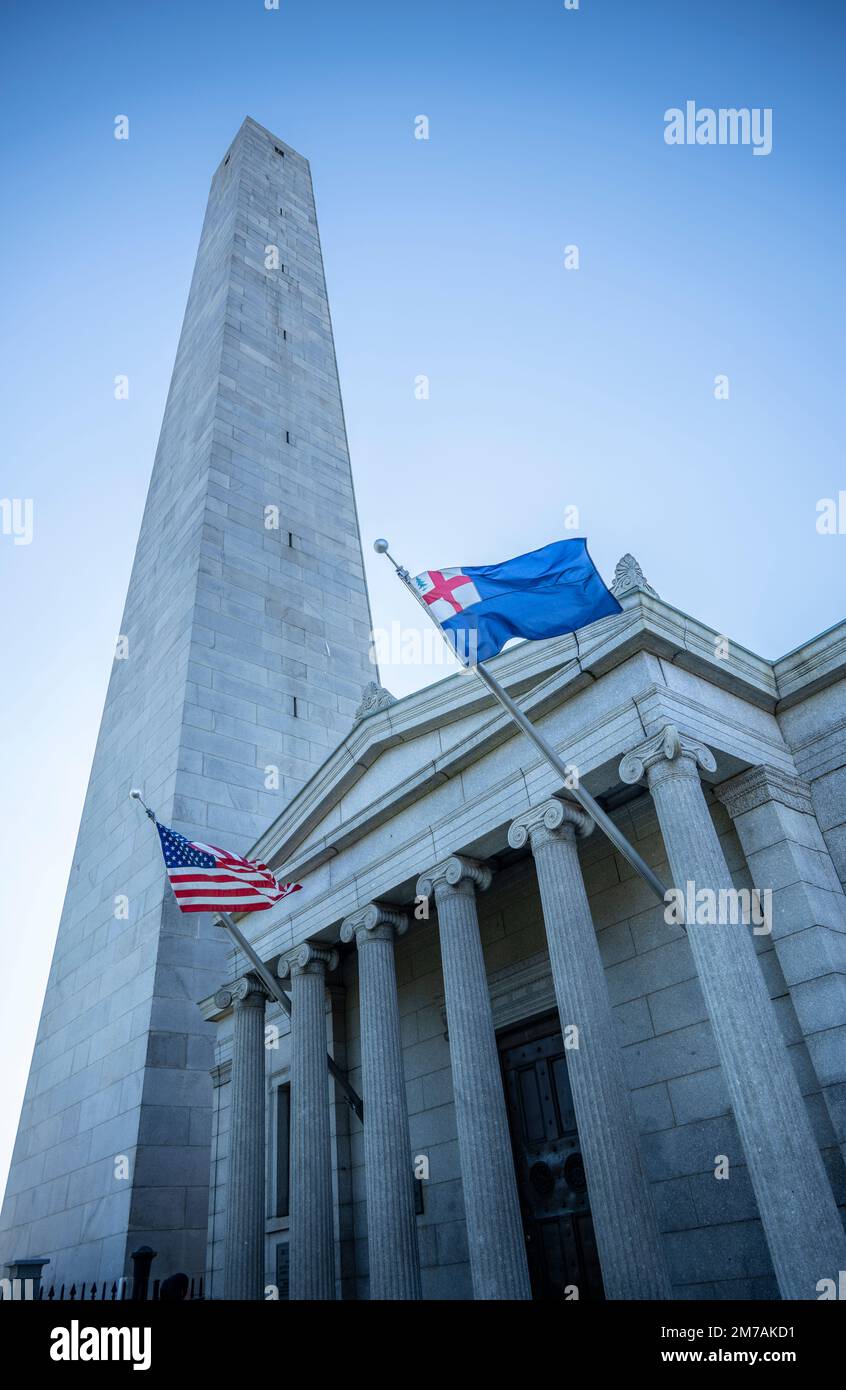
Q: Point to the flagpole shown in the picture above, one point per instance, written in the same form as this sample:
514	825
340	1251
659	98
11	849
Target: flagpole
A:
584	798
272	984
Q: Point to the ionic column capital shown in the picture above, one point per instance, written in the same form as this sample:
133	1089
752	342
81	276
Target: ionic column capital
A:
667	753
308	959
249	992
376	922
551	820
457	874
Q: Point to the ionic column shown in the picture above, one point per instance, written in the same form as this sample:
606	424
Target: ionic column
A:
312	1265
795	1201
243	1263
494	1225
391	1224
630	1251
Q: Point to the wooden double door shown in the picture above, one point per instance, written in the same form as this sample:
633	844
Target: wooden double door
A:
560	1241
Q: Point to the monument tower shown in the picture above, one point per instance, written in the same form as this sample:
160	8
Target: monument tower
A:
242	657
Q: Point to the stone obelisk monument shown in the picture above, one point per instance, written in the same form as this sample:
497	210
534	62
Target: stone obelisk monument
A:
241	660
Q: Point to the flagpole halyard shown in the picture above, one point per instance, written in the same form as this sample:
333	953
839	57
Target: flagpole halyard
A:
578	793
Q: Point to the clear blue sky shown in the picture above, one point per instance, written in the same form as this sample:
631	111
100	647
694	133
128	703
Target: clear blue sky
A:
549	387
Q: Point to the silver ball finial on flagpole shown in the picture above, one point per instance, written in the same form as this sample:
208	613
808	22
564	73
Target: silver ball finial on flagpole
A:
381	548
135	795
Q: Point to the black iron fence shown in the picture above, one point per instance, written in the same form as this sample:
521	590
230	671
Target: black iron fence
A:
118	1291
138	1287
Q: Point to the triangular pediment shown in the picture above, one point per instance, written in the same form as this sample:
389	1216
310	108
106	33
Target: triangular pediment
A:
399	751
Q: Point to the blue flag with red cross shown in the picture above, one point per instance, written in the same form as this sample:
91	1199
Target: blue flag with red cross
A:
548	592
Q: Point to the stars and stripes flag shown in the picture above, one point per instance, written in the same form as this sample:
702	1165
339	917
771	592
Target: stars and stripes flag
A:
207	879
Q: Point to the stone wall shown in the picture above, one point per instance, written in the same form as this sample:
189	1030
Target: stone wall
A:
815	731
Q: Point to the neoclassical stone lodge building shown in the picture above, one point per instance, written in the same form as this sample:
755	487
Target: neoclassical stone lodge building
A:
563	1093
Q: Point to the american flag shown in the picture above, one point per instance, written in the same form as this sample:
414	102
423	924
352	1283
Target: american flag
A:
207	879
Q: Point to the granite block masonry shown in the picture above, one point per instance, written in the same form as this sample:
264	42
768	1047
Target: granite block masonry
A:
245	648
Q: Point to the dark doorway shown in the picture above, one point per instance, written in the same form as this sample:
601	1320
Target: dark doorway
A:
550	1175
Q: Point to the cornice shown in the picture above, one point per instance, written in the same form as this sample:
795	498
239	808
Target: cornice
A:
649	624
811	667
822	751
